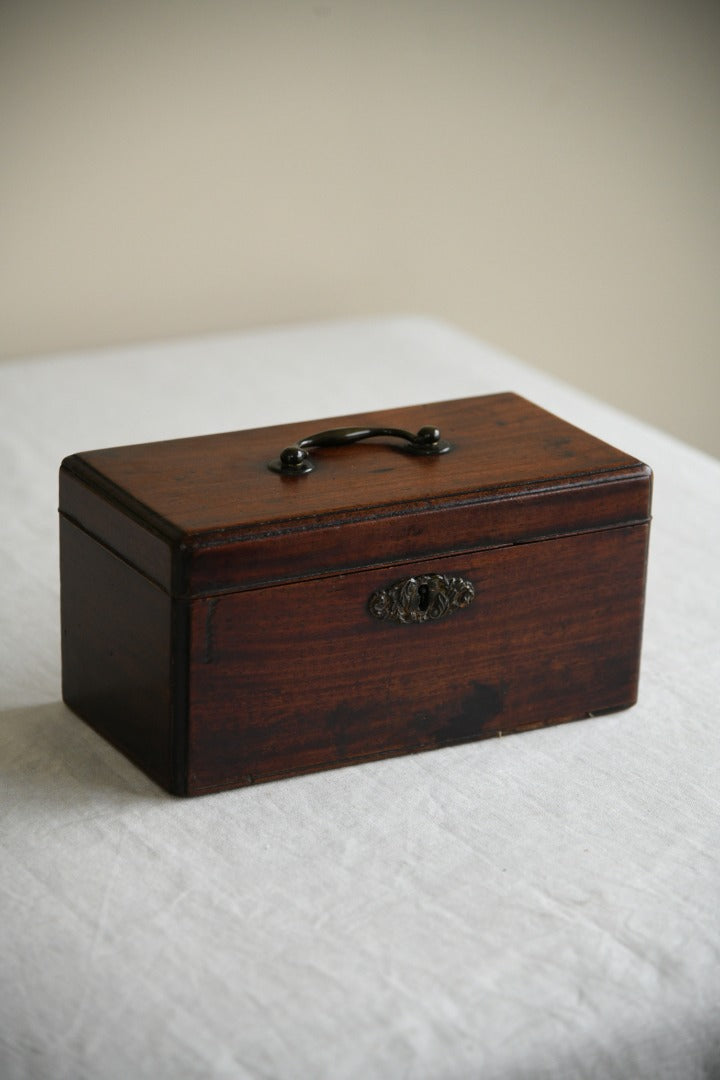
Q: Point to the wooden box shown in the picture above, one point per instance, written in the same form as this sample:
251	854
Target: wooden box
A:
225	624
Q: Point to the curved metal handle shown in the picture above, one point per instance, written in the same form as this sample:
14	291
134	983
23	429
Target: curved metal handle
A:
295	460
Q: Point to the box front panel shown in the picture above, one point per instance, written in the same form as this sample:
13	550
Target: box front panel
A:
305	676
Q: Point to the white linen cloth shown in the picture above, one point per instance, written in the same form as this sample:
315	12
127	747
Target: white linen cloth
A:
544	906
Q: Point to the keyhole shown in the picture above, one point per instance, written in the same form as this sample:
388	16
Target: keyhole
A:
423	597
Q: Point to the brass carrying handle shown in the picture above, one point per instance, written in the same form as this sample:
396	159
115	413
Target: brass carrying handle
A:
295	460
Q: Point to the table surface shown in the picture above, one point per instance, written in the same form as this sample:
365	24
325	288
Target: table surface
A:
541	906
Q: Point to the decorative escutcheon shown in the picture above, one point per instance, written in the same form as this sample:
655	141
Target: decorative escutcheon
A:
422	598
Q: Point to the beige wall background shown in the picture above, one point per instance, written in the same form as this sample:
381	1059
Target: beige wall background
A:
544	174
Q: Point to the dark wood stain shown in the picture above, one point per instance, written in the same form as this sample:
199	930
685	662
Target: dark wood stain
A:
304	678
482	704
116	652
210	606
215	616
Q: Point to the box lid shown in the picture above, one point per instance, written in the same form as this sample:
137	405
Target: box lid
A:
206	515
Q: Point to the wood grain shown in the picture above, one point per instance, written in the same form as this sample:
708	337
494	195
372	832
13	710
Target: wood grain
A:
215	615
221	482
117	653
516	473
301	677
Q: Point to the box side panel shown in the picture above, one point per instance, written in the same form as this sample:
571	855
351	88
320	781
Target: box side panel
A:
302	677
97	514
116	652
